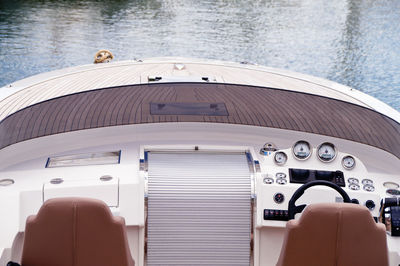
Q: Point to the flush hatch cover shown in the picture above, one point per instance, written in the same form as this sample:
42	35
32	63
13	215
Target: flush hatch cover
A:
199	209
186	108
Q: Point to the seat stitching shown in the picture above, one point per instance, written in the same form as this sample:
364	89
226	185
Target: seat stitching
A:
74	233
338	235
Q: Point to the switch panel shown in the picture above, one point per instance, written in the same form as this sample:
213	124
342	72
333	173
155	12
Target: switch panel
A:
276	215
395	211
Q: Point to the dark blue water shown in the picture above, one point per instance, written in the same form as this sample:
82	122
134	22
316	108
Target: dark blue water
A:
353	42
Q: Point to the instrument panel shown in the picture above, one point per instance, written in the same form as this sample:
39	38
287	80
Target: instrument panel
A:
283	170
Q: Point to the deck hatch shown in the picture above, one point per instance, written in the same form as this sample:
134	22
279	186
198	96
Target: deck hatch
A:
199	209
176	108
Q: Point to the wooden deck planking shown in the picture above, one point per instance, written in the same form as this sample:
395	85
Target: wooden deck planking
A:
136	73
246	105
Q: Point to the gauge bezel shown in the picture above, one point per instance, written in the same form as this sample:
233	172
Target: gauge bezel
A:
334	149
391	183
354	184
278	180
268	178
281	175
371	186
353	180
309	146
278	163
389	192
343	164
6	182
367	181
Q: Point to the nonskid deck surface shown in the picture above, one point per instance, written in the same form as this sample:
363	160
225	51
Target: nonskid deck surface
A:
219	103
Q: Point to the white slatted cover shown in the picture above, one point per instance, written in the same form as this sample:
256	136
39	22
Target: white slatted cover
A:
199	209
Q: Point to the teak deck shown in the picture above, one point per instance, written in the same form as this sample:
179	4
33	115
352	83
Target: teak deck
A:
245	105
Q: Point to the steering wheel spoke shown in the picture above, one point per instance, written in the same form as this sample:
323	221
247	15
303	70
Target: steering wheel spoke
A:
293	209
300	208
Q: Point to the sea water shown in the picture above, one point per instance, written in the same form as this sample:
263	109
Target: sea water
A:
353	42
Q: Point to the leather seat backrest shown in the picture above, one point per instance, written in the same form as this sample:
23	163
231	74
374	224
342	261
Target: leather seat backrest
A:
337	234
75	232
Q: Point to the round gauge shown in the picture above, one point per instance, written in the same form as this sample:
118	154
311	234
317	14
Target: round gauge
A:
348	162
268	180
281	181
391	185
279	198
302	150
353	180
369	188
393	192
354	186
367	181
326	152
280	175
6	182
280	158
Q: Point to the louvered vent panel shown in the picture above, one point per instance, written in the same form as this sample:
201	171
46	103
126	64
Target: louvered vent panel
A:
199	209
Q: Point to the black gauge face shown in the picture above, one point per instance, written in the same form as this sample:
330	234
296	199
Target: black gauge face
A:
348	162
393	192
302	150
279	197
326	152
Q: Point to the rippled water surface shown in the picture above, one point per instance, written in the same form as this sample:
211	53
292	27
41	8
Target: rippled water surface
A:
354	42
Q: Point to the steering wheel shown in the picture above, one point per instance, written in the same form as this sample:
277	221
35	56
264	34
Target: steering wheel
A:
293	209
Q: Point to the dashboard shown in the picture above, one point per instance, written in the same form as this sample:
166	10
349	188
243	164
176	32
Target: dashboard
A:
283	171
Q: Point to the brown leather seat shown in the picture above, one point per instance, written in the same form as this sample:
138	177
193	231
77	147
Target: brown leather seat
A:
334	234
75	232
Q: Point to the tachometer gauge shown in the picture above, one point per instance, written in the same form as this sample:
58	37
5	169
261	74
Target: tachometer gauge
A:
326	152
348	162
280	158
302	150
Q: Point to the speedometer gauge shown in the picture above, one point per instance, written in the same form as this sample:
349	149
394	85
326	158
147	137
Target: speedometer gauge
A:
326	152
302	150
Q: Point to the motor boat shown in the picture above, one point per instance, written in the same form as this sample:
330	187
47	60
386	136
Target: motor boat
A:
199	162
